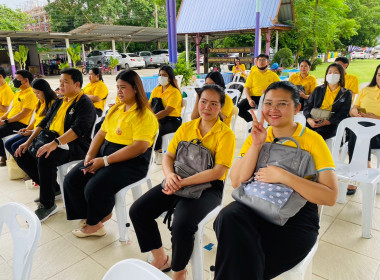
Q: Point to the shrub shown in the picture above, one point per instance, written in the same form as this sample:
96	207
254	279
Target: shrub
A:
316	62
185	69
284	58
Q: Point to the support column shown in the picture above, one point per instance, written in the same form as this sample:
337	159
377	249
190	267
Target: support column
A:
83	56
10	51
124	49
207	39
172	30
267	47
114	53
257	28
187	48
41	65
68	56
276	46
197	52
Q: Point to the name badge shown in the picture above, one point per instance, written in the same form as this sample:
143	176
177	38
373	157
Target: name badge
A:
71	111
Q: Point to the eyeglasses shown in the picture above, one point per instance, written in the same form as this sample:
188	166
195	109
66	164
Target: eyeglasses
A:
279	106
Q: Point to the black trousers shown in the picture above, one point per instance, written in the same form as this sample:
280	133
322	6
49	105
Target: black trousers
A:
351	137
250	247
43	171
244	107
187	215
6	130
167	125
99	112
92	196
326	131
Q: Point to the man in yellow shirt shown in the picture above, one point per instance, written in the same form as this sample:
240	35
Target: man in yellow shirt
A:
6	93
19	115
257	82
352	81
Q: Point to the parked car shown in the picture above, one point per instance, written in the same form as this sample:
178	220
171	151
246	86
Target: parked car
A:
102	57
377	55
160	57
359	54
132	60
147	58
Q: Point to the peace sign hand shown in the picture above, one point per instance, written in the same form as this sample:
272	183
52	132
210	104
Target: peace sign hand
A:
258	132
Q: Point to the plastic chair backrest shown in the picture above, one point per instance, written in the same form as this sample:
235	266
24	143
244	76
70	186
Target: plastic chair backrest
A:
363	134
233	93
166	141
199	82
179	79
236	78
234	83
183	110
299	117
320	81
363	85
235	112
26	237
190	99
134	269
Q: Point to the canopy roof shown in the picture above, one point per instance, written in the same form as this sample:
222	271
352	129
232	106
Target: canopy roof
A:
224	17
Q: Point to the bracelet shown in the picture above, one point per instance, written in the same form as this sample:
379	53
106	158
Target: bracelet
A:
105	161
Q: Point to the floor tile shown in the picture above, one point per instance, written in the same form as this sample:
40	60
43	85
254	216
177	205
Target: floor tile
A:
6	271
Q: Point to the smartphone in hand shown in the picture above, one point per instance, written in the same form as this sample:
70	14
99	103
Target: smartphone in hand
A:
85	167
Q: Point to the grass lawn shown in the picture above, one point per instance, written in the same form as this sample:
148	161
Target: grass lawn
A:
363	68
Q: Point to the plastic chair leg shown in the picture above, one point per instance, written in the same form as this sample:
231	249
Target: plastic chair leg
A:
197	256
136	192
368	200
342	192
121	216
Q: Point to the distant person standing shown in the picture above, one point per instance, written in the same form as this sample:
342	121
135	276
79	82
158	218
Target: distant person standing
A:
239	68
96	90
6	93
257	82
351	81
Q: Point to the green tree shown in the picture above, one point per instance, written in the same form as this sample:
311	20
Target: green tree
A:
21	55
74	53
13	19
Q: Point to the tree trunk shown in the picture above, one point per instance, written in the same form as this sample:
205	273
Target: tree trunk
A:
326	56
315	52
298	51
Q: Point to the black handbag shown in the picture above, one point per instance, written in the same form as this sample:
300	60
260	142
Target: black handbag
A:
157	105
45	136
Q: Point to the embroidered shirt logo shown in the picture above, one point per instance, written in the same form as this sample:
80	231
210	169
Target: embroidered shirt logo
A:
71	111
118	131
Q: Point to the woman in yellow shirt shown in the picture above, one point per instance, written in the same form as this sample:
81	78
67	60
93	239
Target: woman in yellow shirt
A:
331	96
96	90
304	79
239	68
166	102
118	156
249	246
367	105
46	97
220	140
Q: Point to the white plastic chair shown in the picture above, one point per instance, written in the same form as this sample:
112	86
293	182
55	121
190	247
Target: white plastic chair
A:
166	141
330	143
300	118
234	83
363	85
356	172
190	99
320	81
121	204
134	269
183	109
199	82
179	79
25	240
236	78
233	93
303	270
235	113
62	170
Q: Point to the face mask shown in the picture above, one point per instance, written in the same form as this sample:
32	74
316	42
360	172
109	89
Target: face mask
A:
332	79
262	68
16	83
163	81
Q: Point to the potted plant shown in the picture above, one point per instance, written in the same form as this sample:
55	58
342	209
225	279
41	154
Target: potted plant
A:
21	55
74	53
113	63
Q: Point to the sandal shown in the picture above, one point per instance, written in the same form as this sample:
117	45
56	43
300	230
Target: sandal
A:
167	266
351	191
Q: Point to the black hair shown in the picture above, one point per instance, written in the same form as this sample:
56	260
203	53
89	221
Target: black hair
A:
170	72
2	72
373	82
236	58
263	55
342	59
288	86
49	94
97	71
307	61
342	80
26	75
218	89
75	75
217	78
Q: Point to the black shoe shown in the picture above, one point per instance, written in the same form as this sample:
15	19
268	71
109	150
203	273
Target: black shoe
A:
3	161
43	213
57	194
351	191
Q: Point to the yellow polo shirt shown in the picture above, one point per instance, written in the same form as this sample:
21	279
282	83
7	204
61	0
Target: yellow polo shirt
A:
124	127
352	83
257	81
308	140
329	98
227	110
98	89
6	96
369	99
220	140
38	117
58	123
171	97
309	83
242	69
24	99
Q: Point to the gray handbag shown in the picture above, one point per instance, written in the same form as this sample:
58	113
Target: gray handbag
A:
191	158
277	202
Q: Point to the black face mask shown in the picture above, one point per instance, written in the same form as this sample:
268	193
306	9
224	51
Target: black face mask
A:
262	68
16	83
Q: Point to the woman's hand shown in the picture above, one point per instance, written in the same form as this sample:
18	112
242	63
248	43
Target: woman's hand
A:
369	115
317	123
258	132
25	132
87	159
355	113
172	184
252	103
47	149
22	149
270	174
97	163
303	95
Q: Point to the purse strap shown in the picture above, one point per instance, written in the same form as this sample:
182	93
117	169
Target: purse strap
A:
337	99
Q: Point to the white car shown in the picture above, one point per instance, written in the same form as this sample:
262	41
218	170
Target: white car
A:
360	54
131	60
377	55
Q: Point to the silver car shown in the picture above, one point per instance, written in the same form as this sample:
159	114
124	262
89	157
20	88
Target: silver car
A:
100	58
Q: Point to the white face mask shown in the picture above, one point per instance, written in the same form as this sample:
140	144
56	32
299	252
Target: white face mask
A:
163	81
332	79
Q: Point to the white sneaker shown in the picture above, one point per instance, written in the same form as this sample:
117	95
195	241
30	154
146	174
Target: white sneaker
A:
159	158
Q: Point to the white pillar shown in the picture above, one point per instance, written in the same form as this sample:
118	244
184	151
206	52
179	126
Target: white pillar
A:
68	56
276	46
10	51
114	53
207	39
83	56
124	49
259	42
187	47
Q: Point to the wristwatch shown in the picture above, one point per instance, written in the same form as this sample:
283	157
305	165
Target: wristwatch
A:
105	161
57	141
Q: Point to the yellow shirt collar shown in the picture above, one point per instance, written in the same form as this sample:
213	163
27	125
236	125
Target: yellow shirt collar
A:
122	105
216	128
298	132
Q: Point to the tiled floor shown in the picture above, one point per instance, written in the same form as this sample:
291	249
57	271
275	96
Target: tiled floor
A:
342	253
